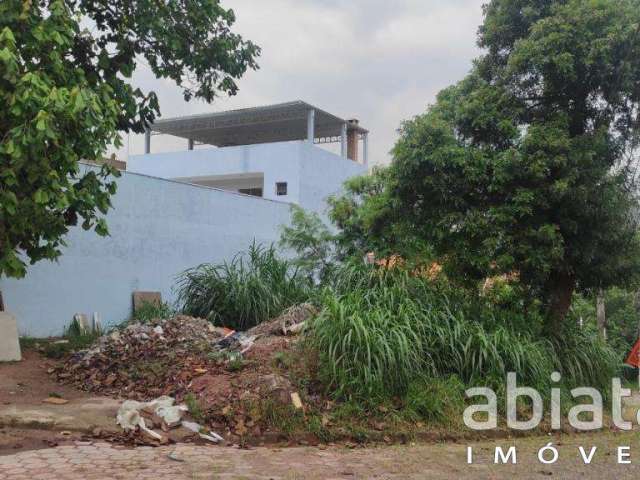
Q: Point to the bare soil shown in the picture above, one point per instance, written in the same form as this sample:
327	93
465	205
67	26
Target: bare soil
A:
28	383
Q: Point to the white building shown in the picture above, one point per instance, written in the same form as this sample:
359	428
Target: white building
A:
270	152
173	211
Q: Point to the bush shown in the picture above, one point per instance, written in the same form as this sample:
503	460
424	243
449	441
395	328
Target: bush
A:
436	400
380	331
370	341
150	311
253	287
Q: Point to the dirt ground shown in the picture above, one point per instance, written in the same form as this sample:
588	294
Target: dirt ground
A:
29	452
28	383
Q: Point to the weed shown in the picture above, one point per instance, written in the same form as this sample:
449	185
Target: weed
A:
151	311
435	400
195	409
283	360
235	363
380	331
281	417
253	287
27	343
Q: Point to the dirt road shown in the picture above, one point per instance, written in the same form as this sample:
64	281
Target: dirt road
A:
444	461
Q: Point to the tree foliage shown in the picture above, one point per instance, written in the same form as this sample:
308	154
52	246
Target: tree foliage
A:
526	164
66	95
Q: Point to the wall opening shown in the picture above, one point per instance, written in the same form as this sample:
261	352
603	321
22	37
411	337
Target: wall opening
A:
248	183
281	188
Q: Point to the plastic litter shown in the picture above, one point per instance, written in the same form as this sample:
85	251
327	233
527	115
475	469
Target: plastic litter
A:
213	437
197	428
193	426
171	416
129	417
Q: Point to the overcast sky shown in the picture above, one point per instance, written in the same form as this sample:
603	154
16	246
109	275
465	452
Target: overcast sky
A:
381	61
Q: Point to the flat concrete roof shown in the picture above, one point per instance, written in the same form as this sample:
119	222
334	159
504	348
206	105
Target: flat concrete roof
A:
271	123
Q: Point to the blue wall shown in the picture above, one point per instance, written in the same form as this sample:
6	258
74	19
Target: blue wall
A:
311	172
158	229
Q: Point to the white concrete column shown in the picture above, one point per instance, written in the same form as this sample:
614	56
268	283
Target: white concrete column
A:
190	144
365	149
147	140
311	125
343	141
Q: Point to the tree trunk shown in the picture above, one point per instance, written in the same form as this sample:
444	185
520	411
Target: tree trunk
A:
601	314
561	287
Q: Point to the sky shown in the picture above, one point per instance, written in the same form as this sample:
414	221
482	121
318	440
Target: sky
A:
381	61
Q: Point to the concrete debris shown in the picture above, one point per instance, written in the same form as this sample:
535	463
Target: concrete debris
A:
116	360
9	343
213	437
171	416
174	456
96	323
295	399
290	322
169	359
131	415
82	320
144	429
128	416
55	400
199	429
235	341
193	426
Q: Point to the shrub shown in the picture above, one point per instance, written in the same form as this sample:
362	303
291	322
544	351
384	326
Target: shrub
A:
380	331
369	341
150	311
435	400
76	339
253	287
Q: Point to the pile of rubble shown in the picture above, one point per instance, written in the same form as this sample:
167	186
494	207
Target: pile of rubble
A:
213	371
144	361
153	421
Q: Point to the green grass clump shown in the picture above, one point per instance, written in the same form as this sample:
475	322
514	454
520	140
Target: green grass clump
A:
150	311
436	400
382	332
195	408
251	288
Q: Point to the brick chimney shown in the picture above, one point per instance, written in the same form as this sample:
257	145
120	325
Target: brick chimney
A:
352	140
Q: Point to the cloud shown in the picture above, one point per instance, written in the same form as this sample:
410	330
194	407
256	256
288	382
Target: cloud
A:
377	60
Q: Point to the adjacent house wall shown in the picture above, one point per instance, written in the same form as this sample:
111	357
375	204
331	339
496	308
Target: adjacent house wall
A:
158	229
161	227
311	173
280	162
322	174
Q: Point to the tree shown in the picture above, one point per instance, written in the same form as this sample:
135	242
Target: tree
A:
526	164
66	95
313	243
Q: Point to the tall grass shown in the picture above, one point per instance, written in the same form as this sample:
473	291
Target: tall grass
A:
253	287
381	330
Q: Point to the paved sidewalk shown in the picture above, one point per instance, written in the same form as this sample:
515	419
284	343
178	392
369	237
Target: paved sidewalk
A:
444	461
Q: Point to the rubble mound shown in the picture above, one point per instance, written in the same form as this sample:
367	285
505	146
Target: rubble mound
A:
180	355
142	361
291	321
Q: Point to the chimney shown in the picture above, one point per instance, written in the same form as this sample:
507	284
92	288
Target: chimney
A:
352	139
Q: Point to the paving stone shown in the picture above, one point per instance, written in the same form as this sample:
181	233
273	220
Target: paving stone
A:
437	462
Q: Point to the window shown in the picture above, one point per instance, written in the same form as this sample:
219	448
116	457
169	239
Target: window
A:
256	192
281	188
